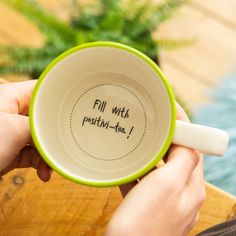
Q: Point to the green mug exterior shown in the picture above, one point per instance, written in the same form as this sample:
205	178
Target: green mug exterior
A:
132	176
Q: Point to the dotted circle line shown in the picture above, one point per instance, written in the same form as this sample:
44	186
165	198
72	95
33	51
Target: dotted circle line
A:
98	158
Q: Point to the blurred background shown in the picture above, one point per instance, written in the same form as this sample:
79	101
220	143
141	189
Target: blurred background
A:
192	41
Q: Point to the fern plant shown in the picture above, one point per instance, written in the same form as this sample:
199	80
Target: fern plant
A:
130	22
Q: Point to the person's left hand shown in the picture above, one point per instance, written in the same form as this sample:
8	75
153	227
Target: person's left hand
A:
16	147
167	200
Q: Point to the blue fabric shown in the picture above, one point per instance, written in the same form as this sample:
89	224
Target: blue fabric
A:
221	113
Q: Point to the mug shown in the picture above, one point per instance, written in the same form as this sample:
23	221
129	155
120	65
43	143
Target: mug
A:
103	114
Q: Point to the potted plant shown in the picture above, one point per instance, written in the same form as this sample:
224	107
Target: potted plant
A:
131	22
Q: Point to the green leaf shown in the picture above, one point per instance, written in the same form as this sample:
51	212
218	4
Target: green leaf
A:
30	61
131	22
110	4
125	21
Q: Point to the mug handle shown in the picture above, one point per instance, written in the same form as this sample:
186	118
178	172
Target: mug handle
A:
207	140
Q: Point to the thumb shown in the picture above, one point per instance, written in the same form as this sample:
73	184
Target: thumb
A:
182	162
14	135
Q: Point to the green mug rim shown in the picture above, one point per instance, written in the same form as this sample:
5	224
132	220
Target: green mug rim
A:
139	172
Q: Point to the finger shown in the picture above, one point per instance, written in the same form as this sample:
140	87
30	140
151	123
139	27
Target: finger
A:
15	134
197	179
44	171
125	188
196	187
181	114
191	224
171	149
196	218
31	143
29	157
181	164
15	97
25	90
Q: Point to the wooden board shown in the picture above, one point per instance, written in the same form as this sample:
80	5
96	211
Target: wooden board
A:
16	29
183	85
30	207
221	10
214	52
209	59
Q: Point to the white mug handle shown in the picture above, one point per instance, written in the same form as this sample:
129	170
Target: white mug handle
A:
207	140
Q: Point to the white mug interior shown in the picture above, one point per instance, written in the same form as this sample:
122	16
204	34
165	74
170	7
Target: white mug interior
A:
101	114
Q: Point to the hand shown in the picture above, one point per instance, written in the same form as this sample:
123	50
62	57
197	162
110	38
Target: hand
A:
165	202
16	147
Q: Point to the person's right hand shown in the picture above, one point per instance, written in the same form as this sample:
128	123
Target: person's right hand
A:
166	202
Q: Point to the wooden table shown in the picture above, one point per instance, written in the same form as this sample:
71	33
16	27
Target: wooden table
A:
30	207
